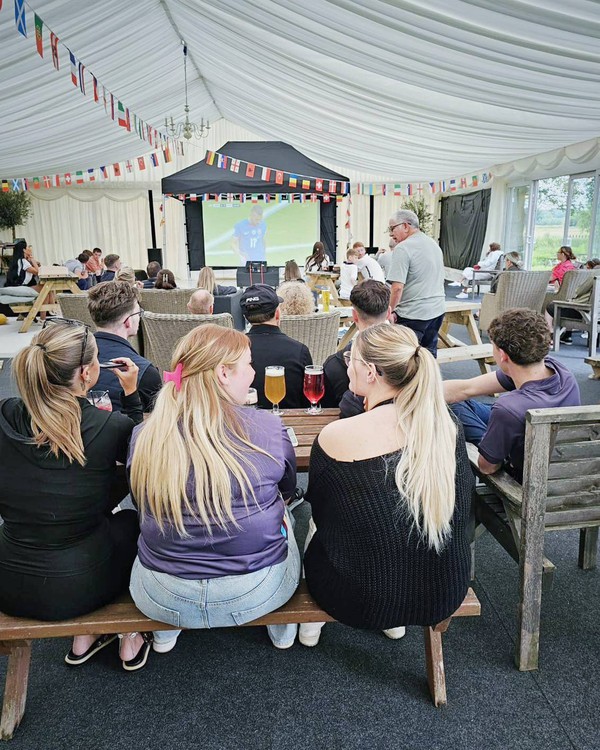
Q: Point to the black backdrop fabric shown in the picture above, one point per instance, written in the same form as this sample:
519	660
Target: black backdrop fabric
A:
463	224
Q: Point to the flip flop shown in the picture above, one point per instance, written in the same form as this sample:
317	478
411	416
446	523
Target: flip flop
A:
75	659
140	659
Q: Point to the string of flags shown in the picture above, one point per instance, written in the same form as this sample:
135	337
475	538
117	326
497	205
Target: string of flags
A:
276	176
255	197
87	83
420	188
93	174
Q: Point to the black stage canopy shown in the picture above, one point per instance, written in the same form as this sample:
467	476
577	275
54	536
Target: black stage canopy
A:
204	178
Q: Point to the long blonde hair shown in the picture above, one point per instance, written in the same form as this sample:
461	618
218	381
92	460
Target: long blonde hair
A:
45	371
206	279
425	473
195	428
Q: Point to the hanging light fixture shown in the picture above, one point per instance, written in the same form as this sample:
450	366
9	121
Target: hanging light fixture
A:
187	128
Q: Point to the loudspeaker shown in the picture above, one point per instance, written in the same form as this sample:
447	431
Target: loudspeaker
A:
155	254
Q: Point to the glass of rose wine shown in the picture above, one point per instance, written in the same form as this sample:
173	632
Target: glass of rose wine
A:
275	386
314	387
100	399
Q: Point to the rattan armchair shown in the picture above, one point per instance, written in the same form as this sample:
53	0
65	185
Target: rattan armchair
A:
75	307
162	332
167	301
523	289
572	280
319	331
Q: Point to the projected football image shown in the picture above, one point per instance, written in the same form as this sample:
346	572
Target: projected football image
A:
276	232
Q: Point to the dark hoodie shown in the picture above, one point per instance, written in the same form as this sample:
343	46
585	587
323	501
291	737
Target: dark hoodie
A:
55	512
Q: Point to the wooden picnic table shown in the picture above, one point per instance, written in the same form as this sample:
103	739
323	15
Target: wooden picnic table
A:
452	349
317	279
53	279
307	427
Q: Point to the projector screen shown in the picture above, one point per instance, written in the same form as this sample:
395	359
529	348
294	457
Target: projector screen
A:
276	232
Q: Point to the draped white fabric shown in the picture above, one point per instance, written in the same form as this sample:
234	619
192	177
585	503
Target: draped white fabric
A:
401	90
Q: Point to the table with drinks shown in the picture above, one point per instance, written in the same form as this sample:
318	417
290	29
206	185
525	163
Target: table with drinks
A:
318	281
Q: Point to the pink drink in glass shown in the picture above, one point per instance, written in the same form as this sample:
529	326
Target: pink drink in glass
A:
314	387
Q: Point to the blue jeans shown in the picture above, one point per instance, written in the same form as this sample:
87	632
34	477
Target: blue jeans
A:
218	602
474	417
426	330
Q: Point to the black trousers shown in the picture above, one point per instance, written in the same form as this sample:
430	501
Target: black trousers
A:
426	330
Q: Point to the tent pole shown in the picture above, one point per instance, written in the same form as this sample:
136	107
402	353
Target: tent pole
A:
152	224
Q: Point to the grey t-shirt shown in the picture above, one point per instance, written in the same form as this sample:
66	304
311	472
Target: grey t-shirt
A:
418	264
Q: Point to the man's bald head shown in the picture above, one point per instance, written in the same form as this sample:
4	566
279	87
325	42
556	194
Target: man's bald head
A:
201	302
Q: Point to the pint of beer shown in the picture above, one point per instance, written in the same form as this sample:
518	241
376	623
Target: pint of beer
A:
275	386
326	295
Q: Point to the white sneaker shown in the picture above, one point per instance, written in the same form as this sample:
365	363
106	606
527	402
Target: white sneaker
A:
395	633
163	647
455	283
310	632
462	295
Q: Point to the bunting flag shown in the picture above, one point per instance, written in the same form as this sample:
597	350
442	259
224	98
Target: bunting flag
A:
20	21
95	83
305	184
210	158
36	183
129	165
326	198
293	181
47	181
16	186
91	175
167	155
266	174
452	186
463	182
68	178
39	39
81	68
104	172
57	180
5	187
278	177
250	170
54	48
332	186
235	165
123	116
79	178
141	163
154	160
74	69
117	169
474	180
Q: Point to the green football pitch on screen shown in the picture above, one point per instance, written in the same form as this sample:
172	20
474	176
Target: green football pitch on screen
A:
236	232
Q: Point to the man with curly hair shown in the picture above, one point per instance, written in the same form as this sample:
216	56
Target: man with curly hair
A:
528	378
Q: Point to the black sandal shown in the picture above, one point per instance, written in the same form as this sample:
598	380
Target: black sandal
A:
140	659
75	660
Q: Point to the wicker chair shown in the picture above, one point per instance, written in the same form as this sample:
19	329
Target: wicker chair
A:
165	301
162	332
319	331
570	283
75	307
523	289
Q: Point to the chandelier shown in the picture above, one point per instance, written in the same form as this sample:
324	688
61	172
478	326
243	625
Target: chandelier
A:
187	128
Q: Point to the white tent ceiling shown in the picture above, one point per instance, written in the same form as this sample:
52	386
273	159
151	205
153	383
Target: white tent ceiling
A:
407	90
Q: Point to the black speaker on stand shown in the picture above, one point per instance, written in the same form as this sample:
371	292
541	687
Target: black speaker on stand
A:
155	255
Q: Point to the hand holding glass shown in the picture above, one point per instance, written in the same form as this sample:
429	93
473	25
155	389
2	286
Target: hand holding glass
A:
275	386
314	387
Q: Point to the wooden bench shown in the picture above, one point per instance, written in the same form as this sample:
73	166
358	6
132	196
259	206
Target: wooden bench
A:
480	352
560	491
122	616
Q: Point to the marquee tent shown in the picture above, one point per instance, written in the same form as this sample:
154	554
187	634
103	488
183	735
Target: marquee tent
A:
399	90
204	178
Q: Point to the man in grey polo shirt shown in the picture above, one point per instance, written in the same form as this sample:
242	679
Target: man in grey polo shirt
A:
417	278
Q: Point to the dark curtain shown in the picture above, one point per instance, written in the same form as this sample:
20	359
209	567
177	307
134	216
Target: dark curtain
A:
463	225
328	227
194	226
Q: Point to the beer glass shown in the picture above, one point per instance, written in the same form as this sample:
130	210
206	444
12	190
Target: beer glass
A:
326	296
275	386
314	387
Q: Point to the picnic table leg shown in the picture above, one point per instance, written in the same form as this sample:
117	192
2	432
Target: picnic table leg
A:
434	661
35	308
588	548
15	688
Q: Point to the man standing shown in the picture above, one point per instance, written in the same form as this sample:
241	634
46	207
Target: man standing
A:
370	306
417	278
115	310
532	379
249	236
270	346
113	264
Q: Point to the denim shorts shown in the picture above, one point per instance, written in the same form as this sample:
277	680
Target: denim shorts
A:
215	602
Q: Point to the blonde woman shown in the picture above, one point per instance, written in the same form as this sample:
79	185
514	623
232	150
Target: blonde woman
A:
390	491
63	553
208	282
210	476
297	299
128	274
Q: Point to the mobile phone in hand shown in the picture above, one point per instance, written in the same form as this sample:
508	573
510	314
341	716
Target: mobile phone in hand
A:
112	366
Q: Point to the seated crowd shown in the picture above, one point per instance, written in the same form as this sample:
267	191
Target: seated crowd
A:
390	486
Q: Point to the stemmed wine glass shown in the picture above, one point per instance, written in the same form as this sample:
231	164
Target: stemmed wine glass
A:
275	386
314	387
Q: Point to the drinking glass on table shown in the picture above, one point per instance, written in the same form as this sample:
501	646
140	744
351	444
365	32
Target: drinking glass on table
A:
100	399
252	397
314	387
275	386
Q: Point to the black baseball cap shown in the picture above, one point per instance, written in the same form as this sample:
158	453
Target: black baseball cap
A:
260	298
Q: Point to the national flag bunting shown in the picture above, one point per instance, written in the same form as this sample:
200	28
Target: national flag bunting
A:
167	154
91	175
117	169
141	163
453	186
210	158
68	178
266	174
47	181
39	39
332	186
5	187
95	82
54	48
463	182
123	116
474	180
326	198
293	181
319	185
250	170
305	184
74	70
20	21
235	165
16	186
79	178
154	160
36	183
278	177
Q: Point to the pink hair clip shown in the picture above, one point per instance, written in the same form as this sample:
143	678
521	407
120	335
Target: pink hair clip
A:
174	376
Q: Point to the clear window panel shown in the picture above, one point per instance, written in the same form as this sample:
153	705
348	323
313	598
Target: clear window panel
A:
550	214
580	215
516	236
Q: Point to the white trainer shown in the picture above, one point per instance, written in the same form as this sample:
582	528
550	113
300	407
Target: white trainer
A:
462	295
395	633
310	632
455	283
163	647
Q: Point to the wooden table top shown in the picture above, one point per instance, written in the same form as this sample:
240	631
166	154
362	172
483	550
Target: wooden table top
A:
307	427
462	306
